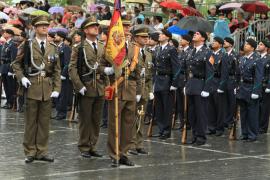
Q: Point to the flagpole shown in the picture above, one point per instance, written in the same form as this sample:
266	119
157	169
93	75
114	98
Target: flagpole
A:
116	123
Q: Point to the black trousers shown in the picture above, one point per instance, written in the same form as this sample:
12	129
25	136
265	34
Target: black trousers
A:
62	102
249	114
264	112
197	107
163	110
231	106
216	111
10	88
179	113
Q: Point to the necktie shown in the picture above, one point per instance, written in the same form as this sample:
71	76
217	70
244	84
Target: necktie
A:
42	47
95	47
143	55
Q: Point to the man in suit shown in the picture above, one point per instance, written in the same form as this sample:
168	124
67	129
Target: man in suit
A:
249	92
232	60
166	66
263	47
199	72
216	105
64	53
8	55
38	69
88	78
128	92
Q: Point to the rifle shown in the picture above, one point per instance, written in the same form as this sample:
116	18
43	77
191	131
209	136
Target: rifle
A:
150	127
232	133
184	131
174	116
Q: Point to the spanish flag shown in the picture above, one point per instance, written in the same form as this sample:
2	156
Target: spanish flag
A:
115	47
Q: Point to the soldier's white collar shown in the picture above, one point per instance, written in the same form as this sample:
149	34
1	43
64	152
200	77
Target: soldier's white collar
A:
249	55
185	48
229	52
91	43
264	54
41	40
198	48
216	52
164	45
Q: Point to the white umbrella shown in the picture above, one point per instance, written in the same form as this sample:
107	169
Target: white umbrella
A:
230	6
4	16
29	10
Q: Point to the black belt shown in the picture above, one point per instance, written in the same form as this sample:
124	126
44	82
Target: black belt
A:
247	81
163	74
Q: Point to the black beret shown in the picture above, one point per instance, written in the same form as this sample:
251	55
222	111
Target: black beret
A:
154	36
187	37
175	43
219	40
229	40
167	33
9	31
69	39
252	43
61	34
51	34
266	43
204	35
80	33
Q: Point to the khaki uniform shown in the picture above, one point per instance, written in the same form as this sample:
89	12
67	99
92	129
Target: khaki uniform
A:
126	111
38	102
147	87
91	104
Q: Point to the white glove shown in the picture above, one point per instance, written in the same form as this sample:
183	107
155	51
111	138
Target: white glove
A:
142	72
54	94
254	96
234	91
204	94
220	91
267	90
108	70
25	82
138	98
83	90
184	90
10	74
172	88
63	78
151	96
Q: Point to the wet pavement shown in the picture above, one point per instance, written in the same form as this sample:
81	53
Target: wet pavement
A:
168	160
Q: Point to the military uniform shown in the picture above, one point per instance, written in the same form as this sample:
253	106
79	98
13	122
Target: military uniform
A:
166	66
42	68
62	103
146	65
8	55
265	100
217	97
251	73
89	75
199	73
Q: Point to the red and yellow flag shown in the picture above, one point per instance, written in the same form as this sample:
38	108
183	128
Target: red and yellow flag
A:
115	47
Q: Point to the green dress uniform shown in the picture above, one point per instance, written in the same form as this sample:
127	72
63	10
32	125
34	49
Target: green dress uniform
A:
38	94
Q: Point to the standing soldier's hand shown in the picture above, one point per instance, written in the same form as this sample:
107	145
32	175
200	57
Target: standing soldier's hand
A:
83	90
25	82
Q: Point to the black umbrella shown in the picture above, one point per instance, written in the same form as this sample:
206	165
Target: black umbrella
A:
195	23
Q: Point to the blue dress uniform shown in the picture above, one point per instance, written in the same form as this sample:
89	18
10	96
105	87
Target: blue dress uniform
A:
199	71
61	107
265	100
233	60
251	73
216	105
8	55
166	66
181	80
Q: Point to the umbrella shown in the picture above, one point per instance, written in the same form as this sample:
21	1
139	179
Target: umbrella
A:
176	30
39	13
106	3
56	9
189	11
94	7
58	29
104	23
29	10
14	29
15	22
73	8
171	5
138	1
4	16
11	9
195	23
230	6
255	7
27	2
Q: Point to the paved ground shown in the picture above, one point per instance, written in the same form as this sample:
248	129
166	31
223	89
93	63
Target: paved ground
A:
168	160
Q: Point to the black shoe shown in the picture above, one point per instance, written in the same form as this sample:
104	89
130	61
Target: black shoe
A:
45	158
193	141
141	151
125	161
7	106
157	135
86	154
219	133
211	132
261	131
104	126
29	159
20	110
200	143
243	138
133	152
95	154
114	163
165	136
60	118
251	140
